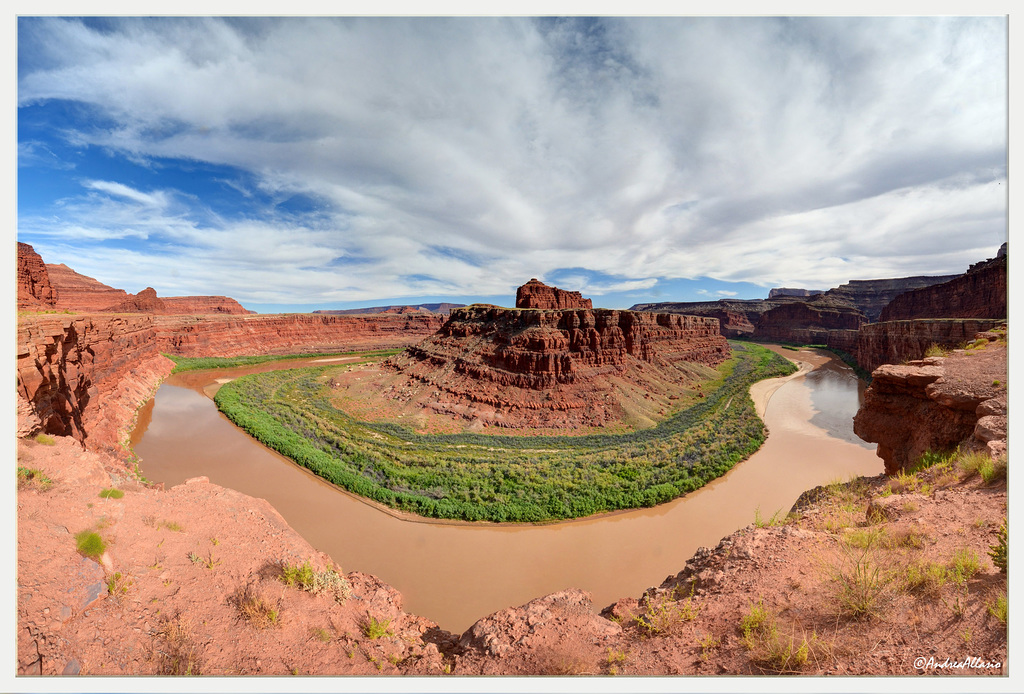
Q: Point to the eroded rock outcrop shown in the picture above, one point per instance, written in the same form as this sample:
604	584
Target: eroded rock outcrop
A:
536	294
202	305
84	376
894	342
34	288
978	293
145	301
936	404
560	367
77	292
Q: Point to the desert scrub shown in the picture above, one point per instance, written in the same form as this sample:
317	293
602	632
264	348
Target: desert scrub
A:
998	608
31	478
982	464
111	494
664	614
45	439
90	544
504	478
373	628
772	649
177	652
256	609
997	551
859	581
305	577
119	584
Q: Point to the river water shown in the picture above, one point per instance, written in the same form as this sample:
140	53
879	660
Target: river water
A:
458	573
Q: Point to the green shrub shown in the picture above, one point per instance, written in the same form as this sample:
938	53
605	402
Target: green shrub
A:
90	544
999	608
45	440
998	550
374	629
305	577
33	478
111	494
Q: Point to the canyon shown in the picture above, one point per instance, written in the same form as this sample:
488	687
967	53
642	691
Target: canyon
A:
873	321
561	368
82	377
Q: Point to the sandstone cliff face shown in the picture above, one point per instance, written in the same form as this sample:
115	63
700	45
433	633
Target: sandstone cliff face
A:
85	376
980	293
230	336
202	305
536	294
871	296
785	321
936	404
34	288
897	341
145	301
77	292
560	368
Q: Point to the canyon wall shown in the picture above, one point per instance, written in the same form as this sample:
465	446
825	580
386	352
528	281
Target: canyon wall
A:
871	296
898	341
290	333
980	293
536	294
33	288
76	292
937	404
84	376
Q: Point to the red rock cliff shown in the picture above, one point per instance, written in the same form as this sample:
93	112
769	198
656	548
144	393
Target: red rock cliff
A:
77	292
560	368
34	288
936	404
84	376
536	294
898	341
979	293
201	305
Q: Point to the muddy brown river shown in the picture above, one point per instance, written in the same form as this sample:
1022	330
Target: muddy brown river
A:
457	573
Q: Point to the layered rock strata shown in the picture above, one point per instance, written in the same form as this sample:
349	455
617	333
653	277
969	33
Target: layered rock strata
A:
76	292
34	288
230	336
894	342
145	301
201	305
937	404
84	376
536	294
560	368
871	296
979	293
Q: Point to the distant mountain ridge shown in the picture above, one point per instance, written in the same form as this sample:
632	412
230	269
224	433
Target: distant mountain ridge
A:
444	308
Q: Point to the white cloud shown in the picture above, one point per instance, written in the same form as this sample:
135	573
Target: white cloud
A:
799	152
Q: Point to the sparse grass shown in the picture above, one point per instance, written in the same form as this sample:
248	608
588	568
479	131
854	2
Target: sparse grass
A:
859	581
373	628
998	550
777	518
983	465
256	609
907	537
665	614
209	562
178	655
31	478
962	567
119	584
998	608
935	350
305	577
865	537
111	494
45	439
708	644
923	577
320	634
772	649
90	544
908	483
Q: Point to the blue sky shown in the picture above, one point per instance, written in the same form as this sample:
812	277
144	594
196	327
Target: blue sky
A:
306	163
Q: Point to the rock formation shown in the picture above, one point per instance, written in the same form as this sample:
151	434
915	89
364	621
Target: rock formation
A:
894	342
871	296
787	291
145	301
34	288
979	293
936	404
202	305
77	292
558	368
536	294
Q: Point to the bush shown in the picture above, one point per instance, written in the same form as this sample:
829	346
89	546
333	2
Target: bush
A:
111	494
307	578
45	440
33	478
374	629
998	550
90	544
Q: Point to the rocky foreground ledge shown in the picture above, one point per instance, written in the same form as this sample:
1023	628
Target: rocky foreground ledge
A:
882	576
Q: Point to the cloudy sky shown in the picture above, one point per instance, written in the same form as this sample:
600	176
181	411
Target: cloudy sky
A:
301	163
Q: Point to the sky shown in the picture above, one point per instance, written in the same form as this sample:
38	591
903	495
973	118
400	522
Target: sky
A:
315	163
